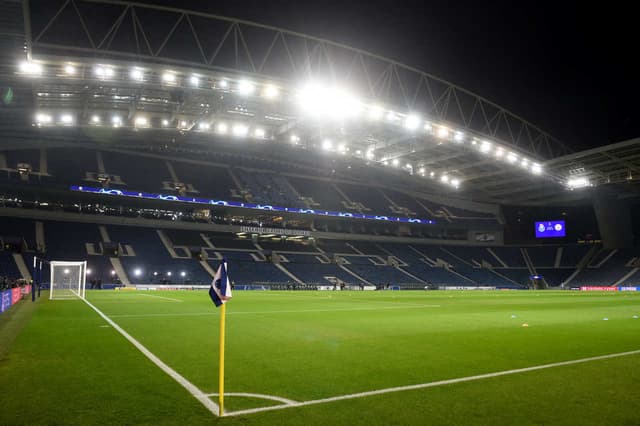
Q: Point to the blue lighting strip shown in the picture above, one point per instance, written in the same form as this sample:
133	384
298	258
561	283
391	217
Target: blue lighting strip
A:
252	206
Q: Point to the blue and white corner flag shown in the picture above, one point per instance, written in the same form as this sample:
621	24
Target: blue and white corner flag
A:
220	290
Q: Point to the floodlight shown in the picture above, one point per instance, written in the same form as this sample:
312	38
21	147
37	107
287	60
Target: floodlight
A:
455	182
485	147
137	272
223	83
95	119
512	158
499	152
342	148
259	133
222	128
370	154
395	162
43	118
536	169
524	163
141	121
88	272
116	121
69	69
578	182
165	122
428	127
169	77
391	116
184	124
194	80
443	132
458	137
271	91
335	103
155	273
385	162
183	274
30	68
113	272
66	119
294	139
204	126
103	71
136	74
421	170
412	122
66	271
327	144
245	87
376	112
432	174
444	179
240	130
169	273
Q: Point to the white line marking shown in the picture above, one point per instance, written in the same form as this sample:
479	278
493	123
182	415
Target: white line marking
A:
178	314
193	390
160	297
258	395
431	384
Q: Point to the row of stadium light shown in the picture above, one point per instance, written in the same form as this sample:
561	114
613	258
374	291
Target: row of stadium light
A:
315	101
136	272
145	122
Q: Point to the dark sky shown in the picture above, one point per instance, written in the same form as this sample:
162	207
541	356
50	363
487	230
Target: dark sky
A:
565	66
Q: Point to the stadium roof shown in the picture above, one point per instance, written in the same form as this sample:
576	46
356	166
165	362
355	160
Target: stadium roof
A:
142	66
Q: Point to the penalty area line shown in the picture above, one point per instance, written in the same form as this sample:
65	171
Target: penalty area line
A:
430	384
190	387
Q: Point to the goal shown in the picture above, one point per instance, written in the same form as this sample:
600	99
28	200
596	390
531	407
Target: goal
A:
67	280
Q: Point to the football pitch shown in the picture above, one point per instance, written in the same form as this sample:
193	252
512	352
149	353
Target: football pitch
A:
388	357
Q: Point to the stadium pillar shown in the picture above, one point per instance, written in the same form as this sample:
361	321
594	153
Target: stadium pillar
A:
614	219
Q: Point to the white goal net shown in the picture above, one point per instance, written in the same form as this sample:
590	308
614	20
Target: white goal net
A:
67	280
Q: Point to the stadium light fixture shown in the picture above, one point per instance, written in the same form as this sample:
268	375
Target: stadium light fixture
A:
458	137
442	132
113	273
512	158
95	119
240	130
141	121
412	122
259	133
245	87
69	69
184	124
223	83
395	162
183	274
432	174
455	183
66	271
327	144
169	77
421	170
66	119
428	127
137	272
165	122
222	128
116	121
391	116
204	126
88	272
169	273
485	147
103	71
444	179
524	163
194	80
30	68
499	152
42	118
294	139
342	148
369	154
578	182
270	91
155	273
536	169
136	74
385	162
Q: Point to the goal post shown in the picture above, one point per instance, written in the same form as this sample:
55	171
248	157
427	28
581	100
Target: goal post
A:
68	279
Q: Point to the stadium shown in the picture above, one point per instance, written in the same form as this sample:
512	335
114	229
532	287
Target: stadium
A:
400	249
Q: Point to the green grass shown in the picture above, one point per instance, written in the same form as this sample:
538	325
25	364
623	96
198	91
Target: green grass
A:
312	345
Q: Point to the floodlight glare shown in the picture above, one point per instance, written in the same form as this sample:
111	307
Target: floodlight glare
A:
327	144
194	80
536	169
165	122
43	118
459	137
204	126
391	116
412	122
485	147
169	77
222	128
66	118
370	155
444	179
136	74
116	121
524	163
499	152
335	103
88	272
259	133
30	68
66	271
141	122
95	119
294	139
223	83
102	71
395	162
432	174
184	124
169	273
342	148
455	182
183	274
421	170
271	91
578	182
240	130
512	158
428	127
245	87
69	69
137	272
443	132
376	112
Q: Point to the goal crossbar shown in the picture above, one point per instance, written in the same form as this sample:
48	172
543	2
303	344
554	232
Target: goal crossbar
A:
68	279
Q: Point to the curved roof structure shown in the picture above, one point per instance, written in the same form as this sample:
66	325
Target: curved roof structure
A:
141	66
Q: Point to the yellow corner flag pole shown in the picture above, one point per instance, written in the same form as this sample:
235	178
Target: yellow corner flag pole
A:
223	312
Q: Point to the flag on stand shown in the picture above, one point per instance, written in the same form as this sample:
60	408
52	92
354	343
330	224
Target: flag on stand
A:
220	290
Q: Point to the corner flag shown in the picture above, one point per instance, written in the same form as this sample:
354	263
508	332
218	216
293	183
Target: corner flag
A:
220	290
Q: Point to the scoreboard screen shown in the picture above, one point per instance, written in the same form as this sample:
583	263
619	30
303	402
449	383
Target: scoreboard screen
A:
550	229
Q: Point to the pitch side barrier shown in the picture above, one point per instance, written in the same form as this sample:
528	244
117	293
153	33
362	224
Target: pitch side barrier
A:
10	297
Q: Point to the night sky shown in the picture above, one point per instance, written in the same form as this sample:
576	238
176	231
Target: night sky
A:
565	66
